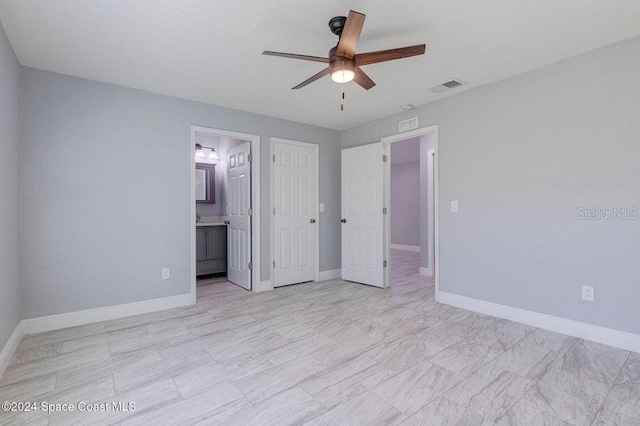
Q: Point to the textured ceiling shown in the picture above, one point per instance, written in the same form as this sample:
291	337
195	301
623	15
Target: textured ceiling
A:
210	51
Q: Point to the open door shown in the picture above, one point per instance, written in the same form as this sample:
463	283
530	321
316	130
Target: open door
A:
239	227
362	214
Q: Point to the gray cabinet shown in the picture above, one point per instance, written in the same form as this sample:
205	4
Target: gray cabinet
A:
211	249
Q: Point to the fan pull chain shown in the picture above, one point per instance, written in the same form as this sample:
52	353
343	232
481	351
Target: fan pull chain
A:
342	102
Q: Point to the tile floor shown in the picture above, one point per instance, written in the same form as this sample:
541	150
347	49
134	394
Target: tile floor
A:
323	353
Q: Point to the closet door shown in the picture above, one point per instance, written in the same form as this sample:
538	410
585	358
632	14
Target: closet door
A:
295	220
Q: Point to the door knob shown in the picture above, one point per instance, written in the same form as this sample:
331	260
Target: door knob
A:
344	221
312	221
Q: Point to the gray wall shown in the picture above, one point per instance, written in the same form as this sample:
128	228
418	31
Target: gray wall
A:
101	216
522	156
405	202
10	301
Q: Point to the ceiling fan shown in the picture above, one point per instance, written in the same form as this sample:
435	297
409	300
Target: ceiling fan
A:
344	63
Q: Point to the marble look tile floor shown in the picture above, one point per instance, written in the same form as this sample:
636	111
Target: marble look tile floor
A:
323	353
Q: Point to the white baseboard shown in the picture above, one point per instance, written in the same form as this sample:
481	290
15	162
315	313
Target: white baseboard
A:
331	274
88	316
426	272
405	248
607	336
264	286
10	347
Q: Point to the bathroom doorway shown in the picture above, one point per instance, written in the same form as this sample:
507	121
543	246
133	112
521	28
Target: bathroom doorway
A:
225	203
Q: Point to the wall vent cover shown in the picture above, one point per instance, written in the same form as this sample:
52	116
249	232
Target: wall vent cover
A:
451	84
409	124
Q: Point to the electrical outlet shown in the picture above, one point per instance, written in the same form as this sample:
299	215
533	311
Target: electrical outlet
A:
166	273
321	207
454	206
587	293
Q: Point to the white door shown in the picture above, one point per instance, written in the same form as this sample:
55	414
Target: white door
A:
362	216
239	227
295	204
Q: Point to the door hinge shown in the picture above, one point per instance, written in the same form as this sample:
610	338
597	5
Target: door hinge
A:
384	158
274	210
250	265
384	210
250	157
274	158
250	212
274	263
384	263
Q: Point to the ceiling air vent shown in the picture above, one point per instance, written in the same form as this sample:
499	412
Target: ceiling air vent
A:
406	125
452	84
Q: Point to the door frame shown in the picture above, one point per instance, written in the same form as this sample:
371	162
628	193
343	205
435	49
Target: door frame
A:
386	144
431	207
316	149
255	200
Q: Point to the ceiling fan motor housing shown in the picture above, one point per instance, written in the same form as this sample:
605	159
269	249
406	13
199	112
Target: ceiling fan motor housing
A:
339	63
333	57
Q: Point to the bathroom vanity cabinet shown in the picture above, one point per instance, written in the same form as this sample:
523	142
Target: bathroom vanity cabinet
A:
211	249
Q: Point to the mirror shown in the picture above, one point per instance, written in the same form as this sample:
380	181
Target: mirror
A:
205	183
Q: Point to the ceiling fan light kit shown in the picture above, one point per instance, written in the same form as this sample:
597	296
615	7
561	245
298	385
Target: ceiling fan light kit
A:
343	62
342	70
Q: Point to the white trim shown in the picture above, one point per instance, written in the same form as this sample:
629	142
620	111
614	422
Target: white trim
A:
89	316
405	247
386	143
264	286
316	149
431	197
426	272
255	200
192	221
607	336
331	274
436	222
10	348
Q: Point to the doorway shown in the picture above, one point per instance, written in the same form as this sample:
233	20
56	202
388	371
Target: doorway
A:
366	229
225	230
411	240
411	214
295	203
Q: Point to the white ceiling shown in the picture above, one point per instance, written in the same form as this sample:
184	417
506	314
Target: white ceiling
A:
210	51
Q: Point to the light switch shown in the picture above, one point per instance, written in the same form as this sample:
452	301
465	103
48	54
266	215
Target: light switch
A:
321	207
454	206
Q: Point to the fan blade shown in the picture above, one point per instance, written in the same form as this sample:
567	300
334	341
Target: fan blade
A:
350	35
312	79
389	55
294	56
363	79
